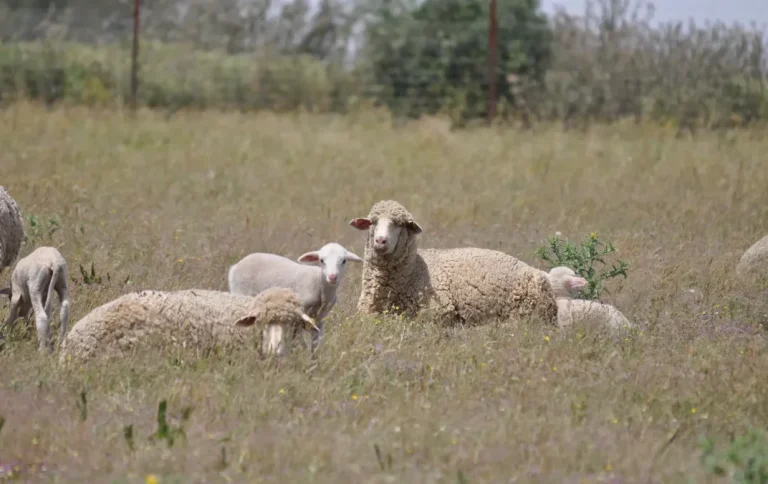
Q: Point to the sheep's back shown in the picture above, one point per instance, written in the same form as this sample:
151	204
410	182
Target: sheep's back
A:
185	319
754	261
481	283
11	229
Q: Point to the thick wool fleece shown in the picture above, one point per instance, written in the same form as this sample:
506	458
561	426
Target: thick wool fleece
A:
195	318
11	229
462	285
754	262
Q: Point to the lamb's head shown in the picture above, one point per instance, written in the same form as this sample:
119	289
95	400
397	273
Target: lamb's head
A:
332	259
385	224
564	281
278	311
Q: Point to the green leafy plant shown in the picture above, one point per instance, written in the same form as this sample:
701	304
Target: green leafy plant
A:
744	461
582	259
39	228
166	431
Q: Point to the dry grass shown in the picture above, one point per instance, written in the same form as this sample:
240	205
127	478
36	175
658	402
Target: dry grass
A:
171	203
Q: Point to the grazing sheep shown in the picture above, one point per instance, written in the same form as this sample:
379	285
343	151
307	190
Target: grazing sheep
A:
34	280
198	319
565	282
315	277
11	229
754	262
466	285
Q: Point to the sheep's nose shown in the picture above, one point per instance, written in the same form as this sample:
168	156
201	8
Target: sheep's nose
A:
380	240
332	277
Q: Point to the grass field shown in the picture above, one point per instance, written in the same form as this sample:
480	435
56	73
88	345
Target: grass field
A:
170	203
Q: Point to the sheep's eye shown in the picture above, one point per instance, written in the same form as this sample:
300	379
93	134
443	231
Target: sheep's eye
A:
322	261
344	262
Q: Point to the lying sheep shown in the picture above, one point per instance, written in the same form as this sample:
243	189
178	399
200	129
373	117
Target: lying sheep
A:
190	319
466	285
754	262
565	283
315	277
33	282
11	229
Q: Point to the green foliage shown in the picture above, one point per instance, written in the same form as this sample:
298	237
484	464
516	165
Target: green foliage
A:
433	58
582	259
39	229
744	461
166	431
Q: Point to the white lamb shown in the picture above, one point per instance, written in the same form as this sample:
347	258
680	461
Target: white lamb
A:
315	277
565	283
462	285
34	280
753	265
11	229
195	319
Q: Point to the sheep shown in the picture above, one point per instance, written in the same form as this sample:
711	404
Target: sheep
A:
201	319
460	285
11	229
33	283
564	283
315	277
753	264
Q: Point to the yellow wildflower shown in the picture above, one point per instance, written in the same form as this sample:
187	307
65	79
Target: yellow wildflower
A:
151	479
693	410
354	396
546	338
282	391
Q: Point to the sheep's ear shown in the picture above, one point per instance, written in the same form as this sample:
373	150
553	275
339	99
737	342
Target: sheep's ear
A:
576	282
246	321
352	257
361	223
309	258
414	228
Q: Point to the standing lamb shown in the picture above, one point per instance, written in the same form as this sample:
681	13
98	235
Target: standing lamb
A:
11	229
565	283
315	277
198	319
466	285
754	262
34	280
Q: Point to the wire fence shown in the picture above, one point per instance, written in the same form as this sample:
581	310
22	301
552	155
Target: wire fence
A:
453	57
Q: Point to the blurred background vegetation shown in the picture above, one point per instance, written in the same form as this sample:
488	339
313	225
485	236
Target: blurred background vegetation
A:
415	57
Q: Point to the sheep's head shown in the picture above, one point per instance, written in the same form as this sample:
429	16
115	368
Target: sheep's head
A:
278	311
564	281
385	224
332	259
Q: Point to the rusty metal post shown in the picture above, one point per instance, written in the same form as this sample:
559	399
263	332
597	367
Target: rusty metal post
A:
135	53
492	60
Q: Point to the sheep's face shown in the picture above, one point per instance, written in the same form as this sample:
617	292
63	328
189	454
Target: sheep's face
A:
332	259
565	282
277	337
384	232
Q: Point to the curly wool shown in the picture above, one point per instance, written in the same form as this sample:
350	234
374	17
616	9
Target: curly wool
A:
11	229
199	319
461	285
754	262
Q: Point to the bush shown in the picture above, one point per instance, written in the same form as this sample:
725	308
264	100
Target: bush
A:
745	461
582	259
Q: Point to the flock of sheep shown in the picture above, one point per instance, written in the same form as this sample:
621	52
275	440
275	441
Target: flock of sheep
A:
286	299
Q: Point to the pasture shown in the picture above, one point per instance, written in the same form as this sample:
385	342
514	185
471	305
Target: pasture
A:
170	203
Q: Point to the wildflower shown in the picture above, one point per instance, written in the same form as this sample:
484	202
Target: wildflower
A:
693	410
592	235
180	261
608	467
282	391
554	368
546	338
614	420
354	396
482	365
34	441
453	440
151	479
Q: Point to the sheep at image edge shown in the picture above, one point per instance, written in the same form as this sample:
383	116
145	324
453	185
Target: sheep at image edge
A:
466	285
11	229
197	319
753	264
565	282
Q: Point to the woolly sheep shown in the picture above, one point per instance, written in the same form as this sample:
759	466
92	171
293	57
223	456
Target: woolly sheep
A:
754	262
33	282
190	318
565	283
315	277
461	284
11	229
